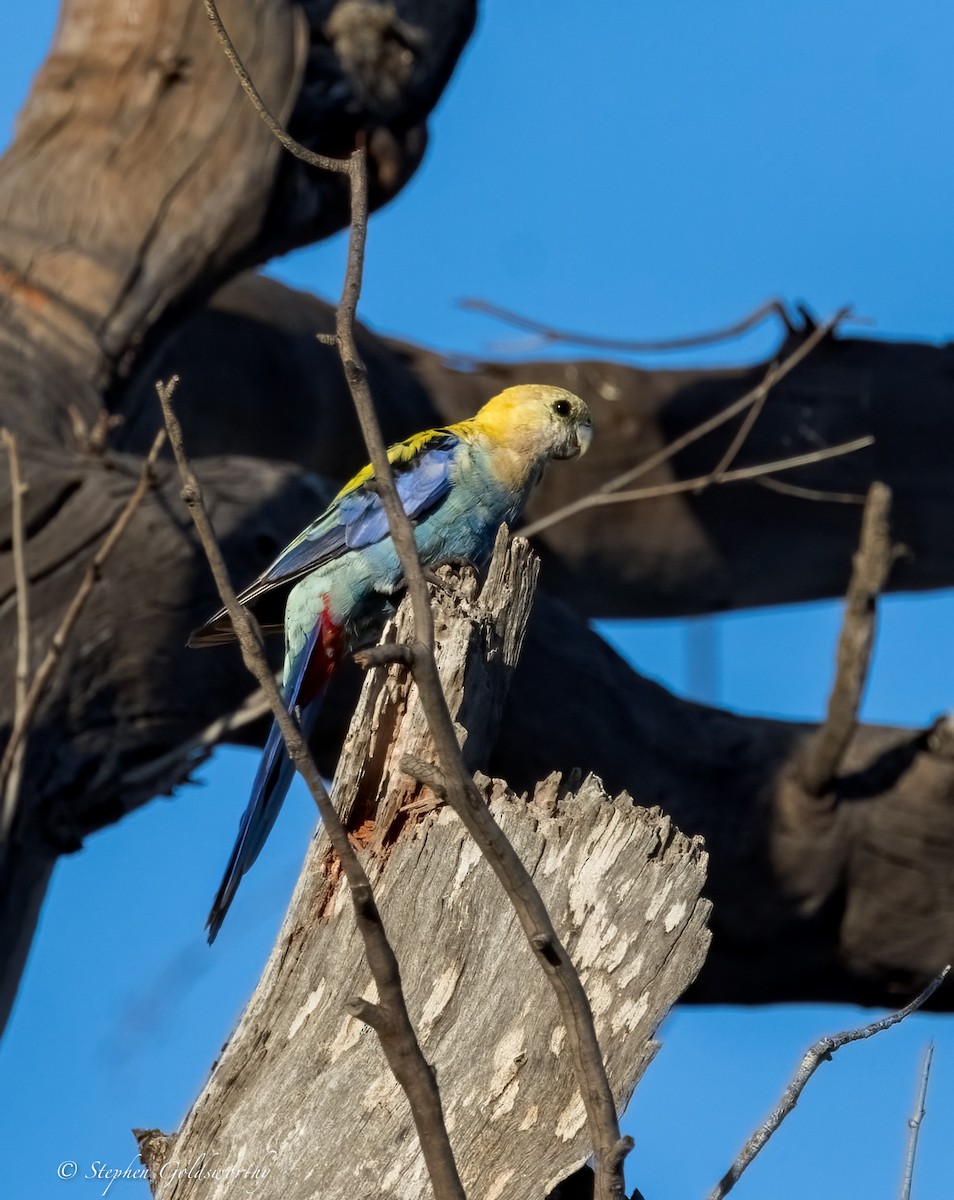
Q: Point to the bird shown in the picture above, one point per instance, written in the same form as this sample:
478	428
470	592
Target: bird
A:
458	484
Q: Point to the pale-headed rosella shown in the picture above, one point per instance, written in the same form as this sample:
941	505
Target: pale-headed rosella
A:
458	485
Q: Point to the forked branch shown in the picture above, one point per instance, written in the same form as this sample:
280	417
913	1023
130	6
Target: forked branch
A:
820	1052
612	491
461	792
697	484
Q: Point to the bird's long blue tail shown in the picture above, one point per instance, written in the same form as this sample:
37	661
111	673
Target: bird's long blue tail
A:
302	693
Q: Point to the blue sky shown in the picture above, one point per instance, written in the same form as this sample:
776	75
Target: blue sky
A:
633	169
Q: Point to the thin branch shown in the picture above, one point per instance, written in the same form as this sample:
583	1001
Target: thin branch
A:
753	398
92	575
820	1052
744	473
339	165
389	1018
914	1124
462	793
771	308
803	493
383	655
825	748
17	491
184	758
460	790
391	1021
742	433
697	484
426	773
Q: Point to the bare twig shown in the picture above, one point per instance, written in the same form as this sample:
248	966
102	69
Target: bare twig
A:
820	1052
914	1124
803	493
824	749
383	655
609	1147
775	374
71	616
755	398
697	484
744	429
744	473
460	790
18	541
339	165
186	757
389	1016
771	308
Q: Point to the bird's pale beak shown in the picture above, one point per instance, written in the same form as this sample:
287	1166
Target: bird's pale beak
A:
582	435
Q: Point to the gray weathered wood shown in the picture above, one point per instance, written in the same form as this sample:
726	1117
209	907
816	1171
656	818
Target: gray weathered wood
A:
302	1088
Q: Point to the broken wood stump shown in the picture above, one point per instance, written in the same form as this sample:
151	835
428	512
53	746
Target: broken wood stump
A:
301	1102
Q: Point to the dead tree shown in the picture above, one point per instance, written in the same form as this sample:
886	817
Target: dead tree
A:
622	884
847	899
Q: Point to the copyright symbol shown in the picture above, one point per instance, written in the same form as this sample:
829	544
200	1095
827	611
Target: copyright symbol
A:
67	1169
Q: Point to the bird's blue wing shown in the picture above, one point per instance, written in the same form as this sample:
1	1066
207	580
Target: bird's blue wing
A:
356	518
420	486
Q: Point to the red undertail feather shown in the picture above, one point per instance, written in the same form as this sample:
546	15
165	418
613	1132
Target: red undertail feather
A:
328	652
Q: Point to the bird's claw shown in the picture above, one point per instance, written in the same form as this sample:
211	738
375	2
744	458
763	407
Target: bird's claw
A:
460	590
432	577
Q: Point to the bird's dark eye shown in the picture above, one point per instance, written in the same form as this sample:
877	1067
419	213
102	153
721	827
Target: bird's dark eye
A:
562	408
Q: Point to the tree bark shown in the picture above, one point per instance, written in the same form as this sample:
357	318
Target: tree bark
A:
139	180
733	546
623	887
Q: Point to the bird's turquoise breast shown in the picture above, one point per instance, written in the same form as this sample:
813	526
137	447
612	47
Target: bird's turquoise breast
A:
462	526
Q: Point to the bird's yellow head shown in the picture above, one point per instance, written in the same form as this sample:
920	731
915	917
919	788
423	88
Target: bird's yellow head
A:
549	421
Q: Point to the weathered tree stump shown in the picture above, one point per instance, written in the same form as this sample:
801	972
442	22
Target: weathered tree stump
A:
302	1090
